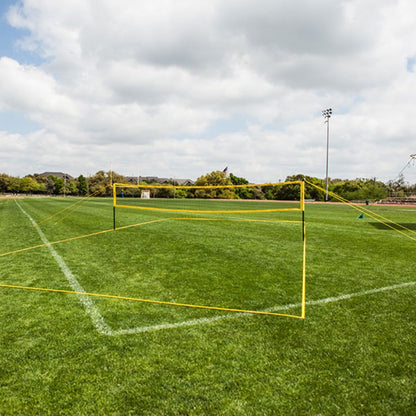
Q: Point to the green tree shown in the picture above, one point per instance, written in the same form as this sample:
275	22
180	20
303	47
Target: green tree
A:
101	182
180	193
58	185
291	192
235	180
245	193
28	185
41	188
72	187
82	185
4	181
163	192
360	189
215	178
42	182
50	185
13	185
311	192
98	183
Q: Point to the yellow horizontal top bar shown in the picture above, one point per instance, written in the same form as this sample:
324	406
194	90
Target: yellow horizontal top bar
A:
129	185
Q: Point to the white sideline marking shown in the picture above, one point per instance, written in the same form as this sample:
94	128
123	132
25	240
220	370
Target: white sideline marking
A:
103	328
90	308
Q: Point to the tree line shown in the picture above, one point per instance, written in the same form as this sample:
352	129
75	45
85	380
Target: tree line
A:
357	189
100	185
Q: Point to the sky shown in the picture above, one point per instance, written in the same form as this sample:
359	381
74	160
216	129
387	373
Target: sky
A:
180	88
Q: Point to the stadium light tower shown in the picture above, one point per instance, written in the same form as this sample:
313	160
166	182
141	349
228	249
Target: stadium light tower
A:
327	114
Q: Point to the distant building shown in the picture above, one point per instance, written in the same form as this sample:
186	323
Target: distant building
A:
162	181
59	175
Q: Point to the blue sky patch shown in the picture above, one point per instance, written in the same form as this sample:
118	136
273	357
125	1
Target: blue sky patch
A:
9	37
14	122
411	63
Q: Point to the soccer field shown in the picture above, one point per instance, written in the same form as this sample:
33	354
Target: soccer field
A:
67	353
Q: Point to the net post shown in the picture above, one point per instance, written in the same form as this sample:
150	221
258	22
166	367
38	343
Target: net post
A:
114	218
114	206
303	308
302	204
302	207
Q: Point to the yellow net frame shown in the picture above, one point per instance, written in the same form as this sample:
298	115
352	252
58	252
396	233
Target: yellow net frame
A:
301	208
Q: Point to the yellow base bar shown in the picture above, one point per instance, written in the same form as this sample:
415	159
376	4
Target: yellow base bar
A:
159	302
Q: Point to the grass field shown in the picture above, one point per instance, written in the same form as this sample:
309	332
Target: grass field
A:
63	353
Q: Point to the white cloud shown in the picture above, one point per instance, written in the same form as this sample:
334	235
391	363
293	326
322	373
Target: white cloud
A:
153	83
28	88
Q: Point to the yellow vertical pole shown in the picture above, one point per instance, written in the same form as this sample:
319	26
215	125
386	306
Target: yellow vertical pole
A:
302	204
114	195
302	196
114	206
304	278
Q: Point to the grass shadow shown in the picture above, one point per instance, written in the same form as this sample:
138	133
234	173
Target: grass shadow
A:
398	225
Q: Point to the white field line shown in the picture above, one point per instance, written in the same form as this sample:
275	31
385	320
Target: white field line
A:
90	308
103	328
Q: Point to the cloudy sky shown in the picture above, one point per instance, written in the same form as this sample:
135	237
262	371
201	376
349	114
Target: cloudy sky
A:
178	88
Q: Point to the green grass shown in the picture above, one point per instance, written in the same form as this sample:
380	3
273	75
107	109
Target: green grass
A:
351	356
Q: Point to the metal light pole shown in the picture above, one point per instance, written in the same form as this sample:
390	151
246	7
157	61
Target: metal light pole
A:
327	114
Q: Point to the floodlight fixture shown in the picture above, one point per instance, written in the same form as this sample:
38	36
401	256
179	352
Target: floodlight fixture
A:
327	114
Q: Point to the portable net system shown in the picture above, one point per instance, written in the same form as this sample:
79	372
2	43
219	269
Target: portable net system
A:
175	198
248	203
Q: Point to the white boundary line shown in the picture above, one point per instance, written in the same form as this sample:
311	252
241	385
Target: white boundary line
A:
103	328
89	305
